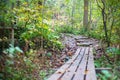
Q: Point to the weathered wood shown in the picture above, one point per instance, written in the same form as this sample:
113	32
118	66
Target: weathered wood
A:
103	69
81	40
80	37
72	70
12	33
90	75
9	28
63	69
98	70
12	37
79	67
84	44
7	40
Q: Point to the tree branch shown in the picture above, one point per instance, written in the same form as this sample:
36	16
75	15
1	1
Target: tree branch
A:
99	5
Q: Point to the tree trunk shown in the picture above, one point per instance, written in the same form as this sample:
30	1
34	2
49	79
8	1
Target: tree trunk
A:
104	15
105	28
85	18
72	16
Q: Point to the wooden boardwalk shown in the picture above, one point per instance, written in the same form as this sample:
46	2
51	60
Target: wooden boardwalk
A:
79	67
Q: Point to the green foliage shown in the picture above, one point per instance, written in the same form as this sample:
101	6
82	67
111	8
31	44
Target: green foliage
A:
113	50
11	72
67	29
32	19
7	17
18	69
105	75
95	33
42	74
35	25
11	51
49	54
100	63
112	57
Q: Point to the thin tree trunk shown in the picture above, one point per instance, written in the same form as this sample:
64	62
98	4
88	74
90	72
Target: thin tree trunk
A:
90	20
42	41
73	9
105	29
104	15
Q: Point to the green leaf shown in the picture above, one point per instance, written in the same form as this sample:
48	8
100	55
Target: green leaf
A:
11	50
113	50
18	49
49	54
106	73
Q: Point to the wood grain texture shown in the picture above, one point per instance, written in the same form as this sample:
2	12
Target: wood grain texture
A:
64	68
91	74
79	67
71	71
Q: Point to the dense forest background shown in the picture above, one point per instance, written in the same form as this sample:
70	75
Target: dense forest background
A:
30	34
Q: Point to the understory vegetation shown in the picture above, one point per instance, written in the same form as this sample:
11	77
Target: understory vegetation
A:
30	36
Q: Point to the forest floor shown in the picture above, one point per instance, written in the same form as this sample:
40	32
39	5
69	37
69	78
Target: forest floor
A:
40	64
43	66
49	64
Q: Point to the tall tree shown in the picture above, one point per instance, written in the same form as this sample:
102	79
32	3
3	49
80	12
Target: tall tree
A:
85	18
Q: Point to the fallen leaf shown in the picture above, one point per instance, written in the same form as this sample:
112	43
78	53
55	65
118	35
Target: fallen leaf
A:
86	71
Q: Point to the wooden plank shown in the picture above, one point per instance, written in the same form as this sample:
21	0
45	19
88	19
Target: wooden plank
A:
99	69
9	28
63	69
81	37
84	44
81	69
91	74
12	37
71	71
74	56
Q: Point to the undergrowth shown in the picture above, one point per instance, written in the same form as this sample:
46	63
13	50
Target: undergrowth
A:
67	29
110	59
17	66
